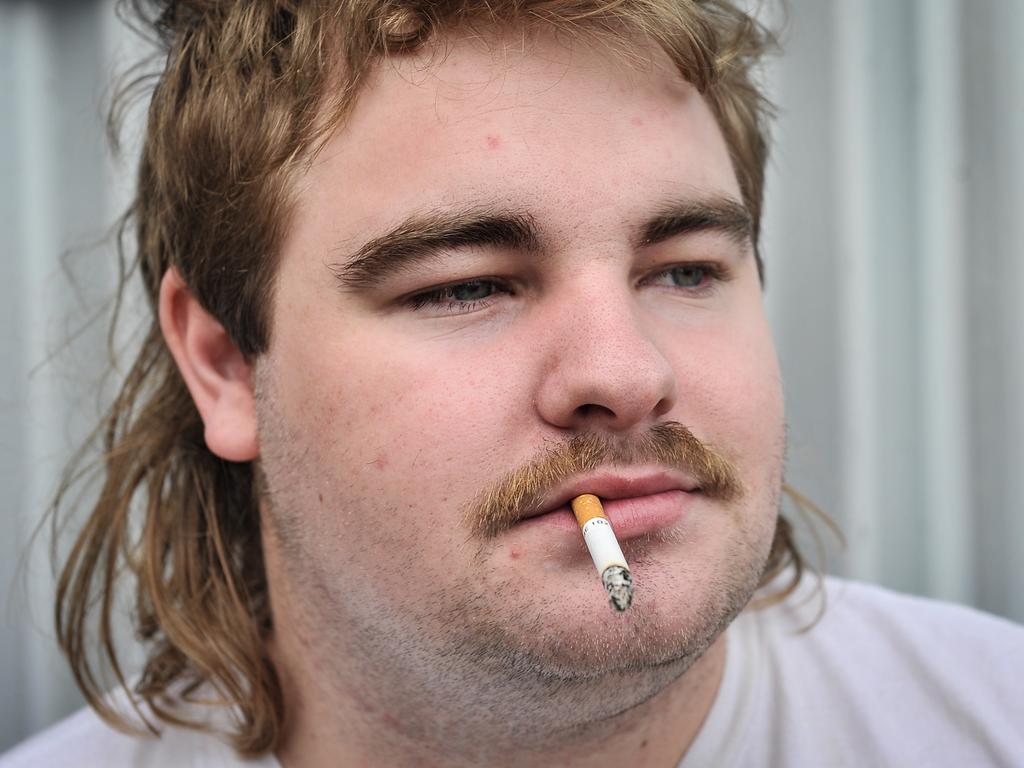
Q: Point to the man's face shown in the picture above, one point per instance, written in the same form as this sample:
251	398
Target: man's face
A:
562	296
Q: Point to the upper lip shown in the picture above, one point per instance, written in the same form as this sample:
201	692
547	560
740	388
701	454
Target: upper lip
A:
613	485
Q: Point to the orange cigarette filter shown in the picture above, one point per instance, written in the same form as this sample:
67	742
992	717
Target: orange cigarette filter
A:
604	550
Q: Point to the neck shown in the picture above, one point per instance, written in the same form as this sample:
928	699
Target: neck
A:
359	723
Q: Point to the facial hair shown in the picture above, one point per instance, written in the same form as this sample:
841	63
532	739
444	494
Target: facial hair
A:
454	664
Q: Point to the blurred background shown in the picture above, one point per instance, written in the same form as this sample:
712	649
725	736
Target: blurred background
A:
895	223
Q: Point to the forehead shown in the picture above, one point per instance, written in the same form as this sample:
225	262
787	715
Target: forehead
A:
572	134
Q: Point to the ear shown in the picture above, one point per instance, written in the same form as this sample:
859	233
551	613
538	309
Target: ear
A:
215	371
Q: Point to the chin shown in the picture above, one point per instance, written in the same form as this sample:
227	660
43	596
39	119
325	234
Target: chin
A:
678	612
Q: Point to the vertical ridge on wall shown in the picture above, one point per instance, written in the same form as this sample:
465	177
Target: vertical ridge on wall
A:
948	539
993	104
40	430
13	390
802	273
1007	447
63	276
860	498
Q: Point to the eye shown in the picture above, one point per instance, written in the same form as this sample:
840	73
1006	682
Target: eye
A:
459	298
474	290
687	276
692	279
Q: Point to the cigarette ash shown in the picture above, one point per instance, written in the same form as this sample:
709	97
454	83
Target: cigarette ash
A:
619	583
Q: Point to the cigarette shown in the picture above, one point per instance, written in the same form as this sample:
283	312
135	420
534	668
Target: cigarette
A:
604	549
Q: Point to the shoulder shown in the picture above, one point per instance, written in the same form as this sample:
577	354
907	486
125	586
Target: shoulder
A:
892	675
869	632
87	741
81	739
853	613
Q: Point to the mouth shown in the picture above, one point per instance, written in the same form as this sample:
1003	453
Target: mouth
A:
635	504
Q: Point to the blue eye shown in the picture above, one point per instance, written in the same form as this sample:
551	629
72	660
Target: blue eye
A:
474	290
694	280
459	298
687	277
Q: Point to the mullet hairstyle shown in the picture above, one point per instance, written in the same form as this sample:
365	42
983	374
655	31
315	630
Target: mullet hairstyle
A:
245	95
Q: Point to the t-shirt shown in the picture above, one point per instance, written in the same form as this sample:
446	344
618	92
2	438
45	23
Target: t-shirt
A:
83	740
881	679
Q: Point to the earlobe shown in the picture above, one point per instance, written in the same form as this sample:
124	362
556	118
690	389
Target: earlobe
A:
216	373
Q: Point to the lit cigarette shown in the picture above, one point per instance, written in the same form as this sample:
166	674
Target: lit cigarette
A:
604	549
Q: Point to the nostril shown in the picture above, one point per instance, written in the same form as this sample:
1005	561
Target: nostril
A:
664	406
593	409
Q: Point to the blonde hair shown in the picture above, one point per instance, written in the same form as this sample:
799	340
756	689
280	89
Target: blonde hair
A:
238	106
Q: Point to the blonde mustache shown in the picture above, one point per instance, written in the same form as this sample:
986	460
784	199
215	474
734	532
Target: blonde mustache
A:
671	445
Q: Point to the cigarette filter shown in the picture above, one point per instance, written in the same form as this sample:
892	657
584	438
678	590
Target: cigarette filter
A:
604	549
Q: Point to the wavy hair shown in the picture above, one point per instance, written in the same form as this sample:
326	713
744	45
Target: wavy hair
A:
242	97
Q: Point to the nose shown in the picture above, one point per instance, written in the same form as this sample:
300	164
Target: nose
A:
604	371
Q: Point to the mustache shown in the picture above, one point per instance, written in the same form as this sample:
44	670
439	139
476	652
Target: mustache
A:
522	491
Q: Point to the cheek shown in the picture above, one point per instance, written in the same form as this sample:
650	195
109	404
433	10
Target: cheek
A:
736	387
408	429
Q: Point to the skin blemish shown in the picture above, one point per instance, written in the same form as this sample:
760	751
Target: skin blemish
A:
391	721
637	122
493	141
363	705
515	554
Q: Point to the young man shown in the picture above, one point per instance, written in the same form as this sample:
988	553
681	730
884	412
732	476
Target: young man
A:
422	274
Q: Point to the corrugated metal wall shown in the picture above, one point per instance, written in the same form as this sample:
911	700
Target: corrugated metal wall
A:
895	276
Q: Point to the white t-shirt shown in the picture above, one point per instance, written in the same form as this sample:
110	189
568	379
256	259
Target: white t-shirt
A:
83	740
881	680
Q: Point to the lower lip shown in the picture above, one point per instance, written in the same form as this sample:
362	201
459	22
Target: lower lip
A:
630	517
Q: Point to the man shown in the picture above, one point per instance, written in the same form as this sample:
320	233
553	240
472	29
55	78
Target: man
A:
422	274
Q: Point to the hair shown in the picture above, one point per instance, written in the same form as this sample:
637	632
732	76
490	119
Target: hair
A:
246	95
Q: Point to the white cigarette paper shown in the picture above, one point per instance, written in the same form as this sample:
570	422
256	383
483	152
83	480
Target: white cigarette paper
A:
604	550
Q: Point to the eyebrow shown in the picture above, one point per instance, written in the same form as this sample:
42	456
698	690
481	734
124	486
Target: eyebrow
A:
717	213
424	236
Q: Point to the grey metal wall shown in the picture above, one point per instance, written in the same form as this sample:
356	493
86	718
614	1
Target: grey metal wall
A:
895	280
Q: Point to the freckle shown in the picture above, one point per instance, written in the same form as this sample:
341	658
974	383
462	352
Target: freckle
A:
493	142
637	122
320	497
